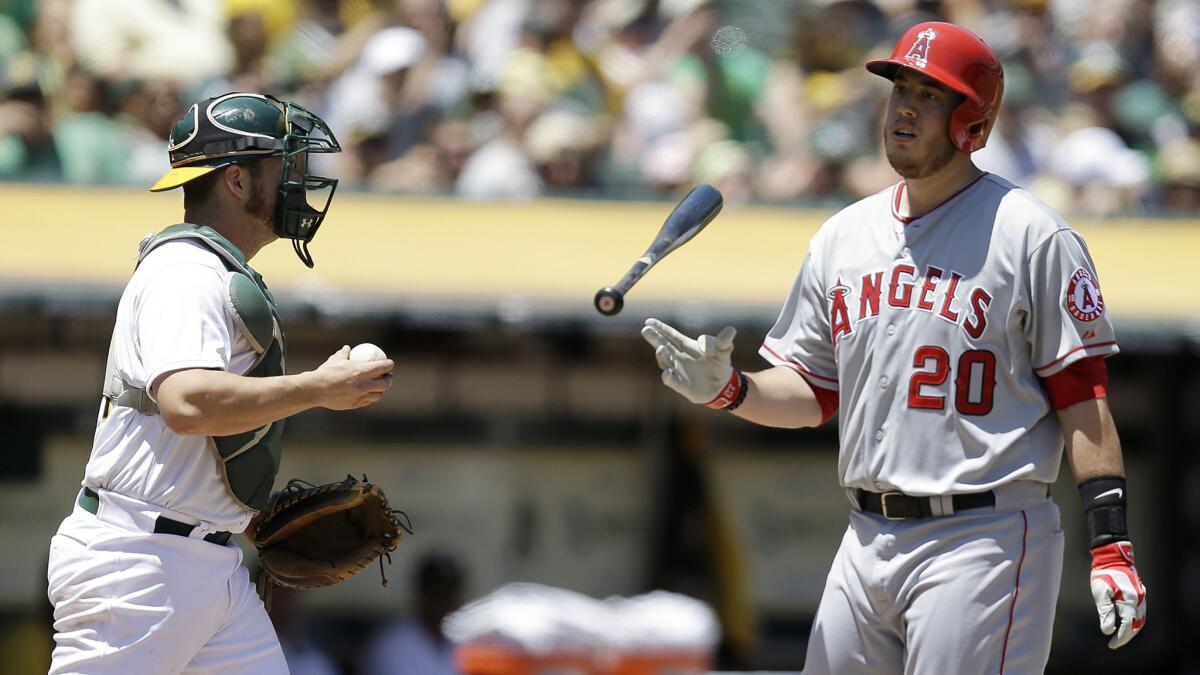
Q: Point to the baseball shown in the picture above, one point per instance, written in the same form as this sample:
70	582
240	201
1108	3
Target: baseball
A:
367	352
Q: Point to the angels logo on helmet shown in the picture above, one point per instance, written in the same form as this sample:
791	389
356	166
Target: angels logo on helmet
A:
918	54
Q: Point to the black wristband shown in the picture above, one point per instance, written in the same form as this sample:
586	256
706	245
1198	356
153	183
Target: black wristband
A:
745	381
1104	508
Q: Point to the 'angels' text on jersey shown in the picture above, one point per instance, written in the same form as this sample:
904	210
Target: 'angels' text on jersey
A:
936	331
933	291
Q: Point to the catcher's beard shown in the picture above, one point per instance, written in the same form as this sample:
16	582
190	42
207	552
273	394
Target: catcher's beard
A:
258	205
923	166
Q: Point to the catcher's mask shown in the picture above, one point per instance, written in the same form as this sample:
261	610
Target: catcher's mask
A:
241	127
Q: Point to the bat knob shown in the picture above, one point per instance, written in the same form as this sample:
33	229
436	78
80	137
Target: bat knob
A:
609	301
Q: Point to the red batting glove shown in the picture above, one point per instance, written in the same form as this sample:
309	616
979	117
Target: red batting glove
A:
1119	593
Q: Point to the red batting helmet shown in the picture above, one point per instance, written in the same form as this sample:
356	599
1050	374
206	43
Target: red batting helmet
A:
957	58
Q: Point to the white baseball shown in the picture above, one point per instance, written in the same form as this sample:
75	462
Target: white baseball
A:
367	352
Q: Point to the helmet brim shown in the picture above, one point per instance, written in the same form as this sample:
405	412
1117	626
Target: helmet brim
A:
888	67
183	174
180	175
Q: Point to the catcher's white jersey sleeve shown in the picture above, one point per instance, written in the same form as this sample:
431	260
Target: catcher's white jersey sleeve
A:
172	316
936	331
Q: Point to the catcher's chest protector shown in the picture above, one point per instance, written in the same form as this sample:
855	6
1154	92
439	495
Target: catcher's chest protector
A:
249	460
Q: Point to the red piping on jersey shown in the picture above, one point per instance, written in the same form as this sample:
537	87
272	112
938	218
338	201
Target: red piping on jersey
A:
1091	346
797	366
1016	589
899	191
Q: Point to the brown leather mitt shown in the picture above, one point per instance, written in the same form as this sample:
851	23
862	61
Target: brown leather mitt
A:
320	535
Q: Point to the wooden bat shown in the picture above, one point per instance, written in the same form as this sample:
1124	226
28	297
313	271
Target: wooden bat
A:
690	216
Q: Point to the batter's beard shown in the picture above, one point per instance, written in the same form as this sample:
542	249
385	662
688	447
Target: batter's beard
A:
923	166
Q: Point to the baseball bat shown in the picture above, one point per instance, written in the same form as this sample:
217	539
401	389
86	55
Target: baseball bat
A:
693	212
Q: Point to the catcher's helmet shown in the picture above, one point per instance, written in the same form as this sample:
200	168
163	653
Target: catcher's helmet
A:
957	58
241	127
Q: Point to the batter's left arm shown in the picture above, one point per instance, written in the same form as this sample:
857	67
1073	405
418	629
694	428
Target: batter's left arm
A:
1094	452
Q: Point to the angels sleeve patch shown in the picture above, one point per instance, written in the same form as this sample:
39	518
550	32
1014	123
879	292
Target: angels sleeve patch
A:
1084	301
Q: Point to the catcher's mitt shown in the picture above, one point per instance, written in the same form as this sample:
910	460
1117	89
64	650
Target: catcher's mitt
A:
320	535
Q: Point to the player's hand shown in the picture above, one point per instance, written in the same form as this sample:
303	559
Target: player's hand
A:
1118	591
698	369
343	384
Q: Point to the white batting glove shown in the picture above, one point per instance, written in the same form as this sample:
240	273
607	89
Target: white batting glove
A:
1119	593
698	369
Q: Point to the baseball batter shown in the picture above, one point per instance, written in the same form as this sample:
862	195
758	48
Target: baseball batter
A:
142	576
956	324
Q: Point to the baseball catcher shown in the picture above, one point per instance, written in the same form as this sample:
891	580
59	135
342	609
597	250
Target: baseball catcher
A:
189	432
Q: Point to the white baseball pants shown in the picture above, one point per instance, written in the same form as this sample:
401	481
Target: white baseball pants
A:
974	592
130	602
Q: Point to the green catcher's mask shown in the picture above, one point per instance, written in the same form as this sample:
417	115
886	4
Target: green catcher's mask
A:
241	127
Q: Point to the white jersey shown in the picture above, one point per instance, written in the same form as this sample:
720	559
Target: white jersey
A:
936	332
172	316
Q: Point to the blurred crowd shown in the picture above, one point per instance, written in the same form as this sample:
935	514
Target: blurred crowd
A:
512	99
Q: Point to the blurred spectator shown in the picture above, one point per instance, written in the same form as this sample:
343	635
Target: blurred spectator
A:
1105	175
247	34
26	143
500	169
417	645
1024	137
148	112
511	99
363	99
303	655
88	139
180	40
303	52
563	146
1179	167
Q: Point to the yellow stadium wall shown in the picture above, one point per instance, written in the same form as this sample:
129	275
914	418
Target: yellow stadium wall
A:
557	250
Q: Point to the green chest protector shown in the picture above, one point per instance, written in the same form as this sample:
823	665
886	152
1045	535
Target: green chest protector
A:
249	460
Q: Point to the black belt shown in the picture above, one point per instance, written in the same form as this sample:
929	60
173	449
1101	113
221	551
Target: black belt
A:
899	506
90	501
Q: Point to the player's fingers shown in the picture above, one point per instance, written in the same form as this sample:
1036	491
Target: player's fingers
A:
342	354
663	357
653	337
670	377
375	369
714	345
1102	593
1124	632
660	342
680	341
725	338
